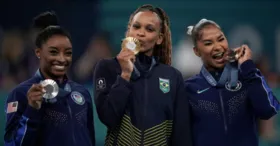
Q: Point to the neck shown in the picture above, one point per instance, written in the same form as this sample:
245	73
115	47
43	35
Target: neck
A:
149	53
213	69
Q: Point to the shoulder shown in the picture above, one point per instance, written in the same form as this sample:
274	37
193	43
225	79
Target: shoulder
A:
194	80
19	92
105	63
170	69
76	87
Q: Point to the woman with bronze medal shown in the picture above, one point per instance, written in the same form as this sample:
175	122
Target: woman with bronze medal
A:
229	94
138	95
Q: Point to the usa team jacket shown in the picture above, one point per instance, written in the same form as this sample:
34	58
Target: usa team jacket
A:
222	116
68	122
149	110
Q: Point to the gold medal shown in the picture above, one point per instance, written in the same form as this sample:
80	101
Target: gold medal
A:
232	56
132	44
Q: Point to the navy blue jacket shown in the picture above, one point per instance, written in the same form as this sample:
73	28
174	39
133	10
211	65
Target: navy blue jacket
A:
225	117
150	109
68	122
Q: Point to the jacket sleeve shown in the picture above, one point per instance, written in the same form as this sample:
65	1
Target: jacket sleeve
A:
22	121
181	133
111	93
90	122
264	103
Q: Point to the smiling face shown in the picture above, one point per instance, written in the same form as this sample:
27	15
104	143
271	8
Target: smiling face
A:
146	27
55	56
212	46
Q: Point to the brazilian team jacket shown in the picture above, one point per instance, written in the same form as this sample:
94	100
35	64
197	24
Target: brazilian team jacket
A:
67	122
151	109
222	116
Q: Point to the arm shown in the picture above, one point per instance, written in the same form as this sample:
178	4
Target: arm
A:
90	123
264	103
181	131
111	94
22	121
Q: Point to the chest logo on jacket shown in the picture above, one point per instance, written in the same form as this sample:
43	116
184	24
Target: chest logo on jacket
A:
78	98
100	84
164	85
203	90
236	88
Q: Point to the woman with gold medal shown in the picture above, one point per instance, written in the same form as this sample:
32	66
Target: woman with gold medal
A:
138	95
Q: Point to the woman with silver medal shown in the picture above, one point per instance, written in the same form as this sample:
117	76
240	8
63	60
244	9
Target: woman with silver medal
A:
49	109
229	94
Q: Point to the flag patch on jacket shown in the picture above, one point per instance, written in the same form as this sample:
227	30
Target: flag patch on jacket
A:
12	107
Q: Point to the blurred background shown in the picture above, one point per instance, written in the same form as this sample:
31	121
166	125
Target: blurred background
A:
97	27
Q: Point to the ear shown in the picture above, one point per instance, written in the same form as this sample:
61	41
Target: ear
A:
38	52
196	51
160	39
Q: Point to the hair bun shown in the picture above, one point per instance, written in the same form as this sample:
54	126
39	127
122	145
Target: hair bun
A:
45	19
189	31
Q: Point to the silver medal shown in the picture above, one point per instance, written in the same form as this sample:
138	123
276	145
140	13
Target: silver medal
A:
51	88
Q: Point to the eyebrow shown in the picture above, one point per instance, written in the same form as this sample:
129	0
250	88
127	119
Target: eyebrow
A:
221	35
206	40
68	49
52	47
151	24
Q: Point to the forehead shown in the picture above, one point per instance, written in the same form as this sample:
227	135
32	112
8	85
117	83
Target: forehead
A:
210	32
59	41
147	17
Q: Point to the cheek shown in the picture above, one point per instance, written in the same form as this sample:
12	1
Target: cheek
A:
69	59
205	52
225	44
130	32
48	61
152	39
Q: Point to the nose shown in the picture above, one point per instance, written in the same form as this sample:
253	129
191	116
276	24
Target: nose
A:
61	58
218	47
141	33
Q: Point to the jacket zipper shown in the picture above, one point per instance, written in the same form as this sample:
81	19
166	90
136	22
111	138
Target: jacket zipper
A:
71	118
144	109
223	111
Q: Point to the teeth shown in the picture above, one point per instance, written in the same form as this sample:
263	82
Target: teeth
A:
219	54
59	67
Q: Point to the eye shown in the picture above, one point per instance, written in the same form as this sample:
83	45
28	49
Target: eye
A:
68	53
150	29
53	52
136	26
221	39
207	43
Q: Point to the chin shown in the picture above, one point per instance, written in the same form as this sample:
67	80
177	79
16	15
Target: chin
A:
219	66
145	50
59	74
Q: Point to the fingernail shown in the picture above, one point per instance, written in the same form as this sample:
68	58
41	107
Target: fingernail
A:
43	90
237	56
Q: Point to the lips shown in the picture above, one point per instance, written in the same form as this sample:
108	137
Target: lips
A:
59	67
141	42
218	55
